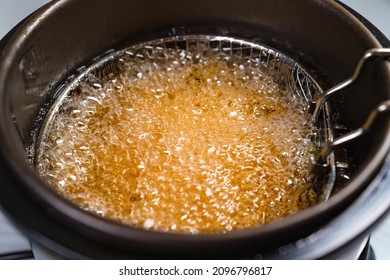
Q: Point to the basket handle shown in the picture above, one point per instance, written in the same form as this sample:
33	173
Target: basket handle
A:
382	109
317	106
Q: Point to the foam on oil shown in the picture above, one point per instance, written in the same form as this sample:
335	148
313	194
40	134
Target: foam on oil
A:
181	140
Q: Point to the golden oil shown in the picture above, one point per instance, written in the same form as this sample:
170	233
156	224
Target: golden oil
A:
181	141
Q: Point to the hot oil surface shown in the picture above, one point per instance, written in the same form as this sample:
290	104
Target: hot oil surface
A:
181	141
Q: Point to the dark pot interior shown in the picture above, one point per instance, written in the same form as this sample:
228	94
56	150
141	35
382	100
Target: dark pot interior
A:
52	44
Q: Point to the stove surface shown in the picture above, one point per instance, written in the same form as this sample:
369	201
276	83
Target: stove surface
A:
13	11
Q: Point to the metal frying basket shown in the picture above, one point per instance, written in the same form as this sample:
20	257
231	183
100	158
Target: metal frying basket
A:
290	75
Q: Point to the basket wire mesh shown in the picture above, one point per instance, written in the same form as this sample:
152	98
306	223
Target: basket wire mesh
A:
291	76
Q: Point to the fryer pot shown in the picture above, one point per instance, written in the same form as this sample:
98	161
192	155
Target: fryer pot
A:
42	53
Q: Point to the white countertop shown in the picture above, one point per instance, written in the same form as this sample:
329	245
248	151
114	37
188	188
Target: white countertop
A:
12	11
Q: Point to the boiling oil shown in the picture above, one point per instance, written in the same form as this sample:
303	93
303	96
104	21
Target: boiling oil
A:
183	141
